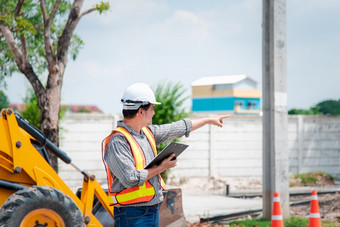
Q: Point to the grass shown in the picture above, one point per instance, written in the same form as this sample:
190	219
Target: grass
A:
291	222
259	222
312	178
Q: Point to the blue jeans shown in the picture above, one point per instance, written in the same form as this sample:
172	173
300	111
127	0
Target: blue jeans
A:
136	216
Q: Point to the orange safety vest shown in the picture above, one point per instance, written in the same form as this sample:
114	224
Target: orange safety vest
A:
137	194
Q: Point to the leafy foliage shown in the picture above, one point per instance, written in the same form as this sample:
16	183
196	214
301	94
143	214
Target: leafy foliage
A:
31	111
29	24
36	39
102	7
327	107
83	111
4	103
311	111
171	96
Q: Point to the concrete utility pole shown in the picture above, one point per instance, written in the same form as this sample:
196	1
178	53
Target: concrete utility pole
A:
274	96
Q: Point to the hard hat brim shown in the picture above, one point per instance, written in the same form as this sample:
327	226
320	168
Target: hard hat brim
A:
135	106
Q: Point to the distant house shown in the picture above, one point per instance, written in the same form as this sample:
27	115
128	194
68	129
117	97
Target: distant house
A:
81	109
17	106
68	108
237	94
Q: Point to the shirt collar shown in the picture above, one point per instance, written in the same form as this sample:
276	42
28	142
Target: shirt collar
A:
128	128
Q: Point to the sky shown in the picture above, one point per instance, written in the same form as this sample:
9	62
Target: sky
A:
153	41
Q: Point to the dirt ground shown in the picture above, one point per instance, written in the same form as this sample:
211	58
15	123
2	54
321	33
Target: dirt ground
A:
329	204
329	207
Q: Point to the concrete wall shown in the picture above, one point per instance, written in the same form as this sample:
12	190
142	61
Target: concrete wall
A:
80	137
234	151
314	144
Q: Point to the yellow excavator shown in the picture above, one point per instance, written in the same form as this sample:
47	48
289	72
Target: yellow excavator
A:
31	192
33	195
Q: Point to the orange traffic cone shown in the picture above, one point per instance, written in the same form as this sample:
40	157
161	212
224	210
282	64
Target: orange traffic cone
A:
276	214
314	214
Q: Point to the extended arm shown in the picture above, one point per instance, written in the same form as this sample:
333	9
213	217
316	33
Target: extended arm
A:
215	120
196	123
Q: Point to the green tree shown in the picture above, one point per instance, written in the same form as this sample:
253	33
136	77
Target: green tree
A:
83	111
311	111
329	107
4	103
171	96
36	38
31	111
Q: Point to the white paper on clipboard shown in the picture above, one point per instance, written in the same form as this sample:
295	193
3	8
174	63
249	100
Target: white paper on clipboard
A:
171	148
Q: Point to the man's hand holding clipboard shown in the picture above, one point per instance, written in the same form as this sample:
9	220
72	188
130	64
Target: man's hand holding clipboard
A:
171	148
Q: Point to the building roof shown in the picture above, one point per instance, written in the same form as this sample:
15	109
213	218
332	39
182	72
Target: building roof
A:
71	108
211	80
18	106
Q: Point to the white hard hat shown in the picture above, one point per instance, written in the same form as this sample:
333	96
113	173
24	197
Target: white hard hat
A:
136	95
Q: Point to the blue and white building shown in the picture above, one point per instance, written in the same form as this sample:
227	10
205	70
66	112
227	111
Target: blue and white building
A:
236	94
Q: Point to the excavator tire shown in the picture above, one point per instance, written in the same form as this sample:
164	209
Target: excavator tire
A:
40	206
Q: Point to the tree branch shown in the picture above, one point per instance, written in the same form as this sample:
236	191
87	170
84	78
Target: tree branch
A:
17	53
65	38
54	11
47	34
18	7
24	48
22	62
22	37
43	10
87	12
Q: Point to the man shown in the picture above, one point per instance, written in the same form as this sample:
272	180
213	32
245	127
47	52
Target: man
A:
136	192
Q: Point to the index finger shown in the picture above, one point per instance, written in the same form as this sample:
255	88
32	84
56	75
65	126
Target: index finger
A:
226	115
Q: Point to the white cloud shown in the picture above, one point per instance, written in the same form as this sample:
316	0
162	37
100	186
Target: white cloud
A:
96	69
182	29
151	40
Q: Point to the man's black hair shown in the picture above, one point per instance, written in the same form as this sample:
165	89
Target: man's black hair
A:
132	113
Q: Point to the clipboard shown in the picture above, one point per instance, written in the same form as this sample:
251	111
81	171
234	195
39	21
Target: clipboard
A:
171	148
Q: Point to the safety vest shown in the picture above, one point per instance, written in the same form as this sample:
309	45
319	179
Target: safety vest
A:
137	194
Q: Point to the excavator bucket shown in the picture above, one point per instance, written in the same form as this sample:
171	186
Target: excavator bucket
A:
171	211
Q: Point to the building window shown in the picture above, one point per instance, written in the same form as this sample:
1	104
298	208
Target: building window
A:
239	103
251	105
223	87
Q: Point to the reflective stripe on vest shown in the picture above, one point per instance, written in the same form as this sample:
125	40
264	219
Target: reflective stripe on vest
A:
137	194
152	141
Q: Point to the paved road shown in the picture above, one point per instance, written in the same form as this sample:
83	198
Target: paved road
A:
198	205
